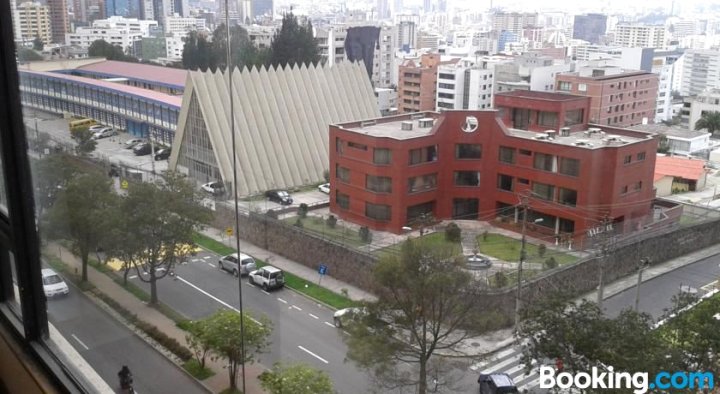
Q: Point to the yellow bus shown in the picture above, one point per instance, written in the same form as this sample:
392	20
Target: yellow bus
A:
80	123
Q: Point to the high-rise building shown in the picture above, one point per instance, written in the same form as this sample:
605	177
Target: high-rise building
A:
464	85
589	27
179	7
59	23
700	71
513	22
34	22
635	35
15	19
374	46
383	9
406	35
417	83
118	8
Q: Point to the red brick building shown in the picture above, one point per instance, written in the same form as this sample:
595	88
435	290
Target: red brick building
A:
387	172
618	97
417	83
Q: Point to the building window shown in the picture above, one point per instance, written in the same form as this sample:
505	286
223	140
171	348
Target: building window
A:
342	200
342	174
544	162
624	190
467	178
641	156
523	181
378	184
505	182
381	156
338	145
446	86
468	151
582	87
357	146
628	159
569	166
544	191
525	152
423	155
446	76
574	117
507	155
565	86
415	212
446	95
422	183
378	212
547	119
567	196
638	185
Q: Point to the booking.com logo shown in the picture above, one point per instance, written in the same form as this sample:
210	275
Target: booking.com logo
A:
639	381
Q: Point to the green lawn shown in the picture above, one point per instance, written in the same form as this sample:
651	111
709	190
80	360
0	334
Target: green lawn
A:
434	240
196	370
311	289
317	226
508	249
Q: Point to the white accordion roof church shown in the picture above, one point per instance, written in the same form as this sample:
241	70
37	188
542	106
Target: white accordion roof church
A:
282	119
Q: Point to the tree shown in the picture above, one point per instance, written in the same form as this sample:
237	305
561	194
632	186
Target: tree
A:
198	52
709	121
158	222
52	174
424	298
198	340
38	44
303	210
227	338
84	140
365	234
101	48
582	337
294	44
296	379
28	55
453	233
82	213
244	53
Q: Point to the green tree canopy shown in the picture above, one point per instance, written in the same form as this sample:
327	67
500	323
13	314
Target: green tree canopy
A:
244	53
710	120
226	338
51	175
84	139
38	44
28	55
198	52
296	379
102	48
424	298
294	44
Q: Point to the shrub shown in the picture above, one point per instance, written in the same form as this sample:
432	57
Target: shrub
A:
272	214
326	175
365	234
485	235
303	210
453	233
550	263
541	250
298	223
331	221
501	280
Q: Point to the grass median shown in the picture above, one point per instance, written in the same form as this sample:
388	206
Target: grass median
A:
294	282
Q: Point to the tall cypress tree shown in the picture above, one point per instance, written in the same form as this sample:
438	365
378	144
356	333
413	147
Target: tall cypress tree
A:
294	44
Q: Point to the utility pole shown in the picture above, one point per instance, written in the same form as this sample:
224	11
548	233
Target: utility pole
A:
644	262
603	257
524	204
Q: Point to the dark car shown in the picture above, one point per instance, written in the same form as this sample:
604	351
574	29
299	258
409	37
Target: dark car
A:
496	383
279	196
142	149
162	154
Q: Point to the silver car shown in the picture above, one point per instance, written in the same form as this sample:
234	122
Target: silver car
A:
229	263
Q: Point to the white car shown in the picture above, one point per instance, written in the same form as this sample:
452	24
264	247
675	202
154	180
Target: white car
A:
96	128
213	187
325	188
344	315
229	263
106	132
267	277
53	284
129	144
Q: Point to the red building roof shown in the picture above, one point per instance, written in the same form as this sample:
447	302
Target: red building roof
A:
679	167
138	71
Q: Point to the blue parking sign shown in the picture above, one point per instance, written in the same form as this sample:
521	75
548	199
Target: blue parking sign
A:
322	269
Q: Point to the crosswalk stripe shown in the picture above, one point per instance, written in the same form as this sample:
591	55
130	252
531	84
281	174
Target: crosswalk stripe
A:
499	366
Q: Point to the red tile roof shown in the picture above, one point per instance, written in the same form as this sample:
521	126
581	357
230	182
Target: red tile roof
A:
679	167
138	71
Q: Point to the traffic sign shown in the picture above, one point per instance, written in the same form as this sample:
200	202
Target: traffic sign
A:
322	269
229	231
124	184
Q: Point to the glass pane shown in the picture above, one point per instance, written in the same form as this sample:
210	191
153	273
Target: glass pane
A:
8	259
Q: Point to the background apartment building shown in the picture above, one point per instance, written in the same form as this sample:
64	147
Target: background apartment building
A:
634	35
589	27
701	70
417	83
33	22
464	85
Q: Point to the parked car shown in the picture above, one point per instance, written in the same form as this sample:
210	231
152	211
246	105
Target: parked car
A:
279	196
214	188
325	188
104	133
162	154
142	149
96	128
131	143
267	277
343	316
229	263
496	383
53	284
478	261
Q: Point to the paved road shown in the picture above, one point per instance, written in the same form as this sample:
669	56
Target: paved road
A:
303	330
108	345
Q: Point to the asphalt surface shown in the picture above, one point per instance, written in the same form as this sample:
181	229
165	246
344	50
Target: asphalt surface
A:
303	330
656	294
107	345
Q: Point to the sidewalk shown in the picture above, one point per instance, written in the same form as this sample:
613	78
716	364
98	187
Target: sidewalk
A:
217	382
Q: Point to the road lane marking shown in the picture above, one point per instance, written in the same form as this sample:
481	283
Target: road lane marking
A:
265	292
80	342
313	354
313	316
132	276
281	300
329	324
196	260
296	307
207	257
211	264
215	298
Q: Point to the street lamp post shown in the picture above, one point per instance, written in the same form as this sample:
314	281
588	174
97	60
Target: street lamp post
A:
520	268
